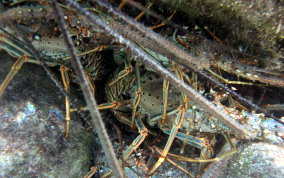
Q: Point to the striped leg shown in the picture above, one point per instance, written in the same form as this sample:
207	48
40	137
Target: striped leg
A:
66	83
14	70
178	120
137	142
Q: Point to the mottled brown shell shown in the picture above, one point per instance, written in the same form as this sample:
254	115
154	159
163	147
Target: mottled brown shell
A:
152	99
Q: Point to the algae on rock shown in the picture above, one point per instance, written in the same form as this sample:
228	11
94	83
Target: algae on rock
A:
253	26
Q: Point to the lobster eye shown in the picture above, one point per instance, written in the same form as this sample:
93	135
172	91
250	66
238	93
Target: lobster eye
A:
86	40
209	97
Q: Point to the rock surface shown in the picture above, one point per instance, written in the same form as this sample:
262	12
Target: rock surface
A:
253	160
32	141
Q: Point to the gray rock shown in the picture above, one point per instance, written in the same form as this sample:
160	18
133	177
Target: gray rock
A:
253	160
32	141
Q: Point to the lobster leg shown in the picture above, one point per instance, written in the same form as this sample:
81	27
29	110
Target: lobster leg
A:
20	51
123	73
114	104
138	96
126	71
194	84
122	3
92	85
178	120
103	106
172	157
205	153
166	85
66	83
137	142
228	81
143	12
163	23
156	118
173	163
186	159
14	70
191	140
188	139
92	172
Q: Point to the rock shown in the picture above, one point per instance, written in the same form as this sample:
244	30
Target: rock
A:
253	160
242	23
32	141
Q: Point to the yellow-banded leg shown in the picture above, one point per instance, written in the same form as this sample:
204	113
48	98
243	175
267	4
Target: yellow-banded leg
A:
197	142
237	104
171	157
99	48
143	12
206	150
166	85
122	3
194	83
138	96
181	75
92	172
66	83
103	106
215	38
231	82
14	70
114	104
177	123
92	85
231	100
205	153
188	139
163	23
143	131
126	71
173	163
139	124
186	159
